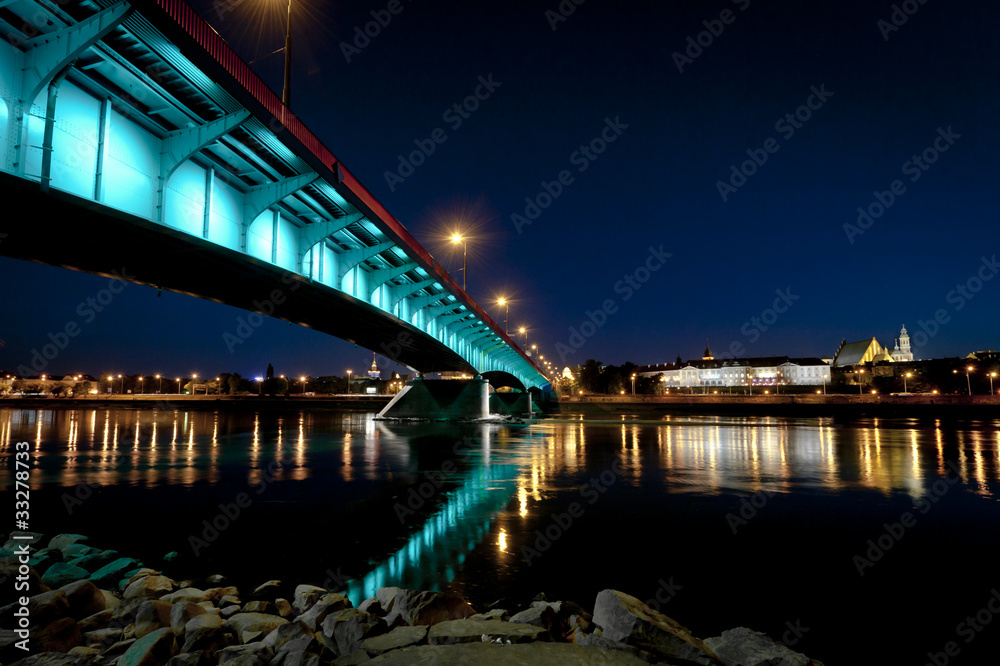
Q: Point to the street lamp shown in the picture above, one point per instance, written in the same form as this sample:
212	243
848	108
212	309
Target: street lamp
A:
524	331
992	375
457	238
303	380
968	382
286	92
904	381
159	389
506	304
178	386
858	379
140	384
633	383
348	382
260	386
121	389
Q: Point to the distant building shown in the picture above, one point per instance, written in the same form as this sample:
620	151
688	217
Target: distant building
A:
864	351
763	371
902	351
374	372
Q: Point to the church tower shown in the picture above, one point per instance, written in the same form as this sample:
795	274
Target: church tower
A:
902	351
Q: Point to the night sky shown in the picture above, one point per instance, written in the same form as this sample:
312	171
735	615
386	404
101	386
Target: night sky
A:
645	129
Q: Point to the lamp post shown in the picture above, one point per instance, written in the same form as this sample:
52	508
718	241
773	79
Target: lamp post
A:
992	375
286	92
348	382
260	386
858	379
121	388
506	305
904	381
140	384
457	238
968	382
524	331
303	380
159	389
633	383
178	386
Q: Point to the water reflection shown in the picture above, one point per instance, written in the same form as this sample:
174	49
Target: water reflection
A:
503	468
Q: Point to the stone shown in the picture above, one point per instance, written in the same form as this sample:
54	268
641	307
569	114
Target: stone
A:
77	550
251	636
399	637
52	659
140	573
421	607
152	615
356	657
184	594
229	611
268	590
186	659
9	569
204	633
109	574
106	636
262	622
492	614
286	633
61	573
89	652
149	586
297	658
95	560
44	558
251	654
43	608
84	598
284	607
181	613
153	649
372	605
111	601
171	556
595	639
98	620
476	631
306	596
624	618
62	635
527	654
344	630
61	541
745	647
260	607
217	593
328	603
229	600
216	579
540	616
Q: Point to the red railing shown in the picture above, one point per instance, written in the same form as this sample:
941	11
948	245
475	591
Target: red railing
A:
217	48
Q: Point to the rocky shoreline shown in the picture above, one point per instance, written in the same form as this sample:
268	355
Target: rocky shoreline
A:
77	604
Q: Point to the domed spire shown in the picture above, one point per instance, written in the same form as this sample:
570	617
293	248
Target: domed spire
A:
708	353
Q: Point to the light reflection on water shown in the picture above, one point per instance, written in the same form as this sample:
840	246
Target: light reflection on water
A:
503	467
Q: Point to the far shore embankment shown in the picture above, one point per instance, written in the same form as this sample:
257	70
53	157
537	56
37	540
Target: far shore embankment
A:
801	404
358	402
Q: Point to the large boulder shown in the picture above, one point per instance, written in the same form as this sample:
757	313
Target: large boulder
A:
153	649
399	637
205	634
108	575
306	596
61	541
184	594
624	618
343	631
251	654
745	647
42	608
415	607
60	636
253	622
478	631
153	614
95	560
182	612
84	598
62	573
328	603
149	586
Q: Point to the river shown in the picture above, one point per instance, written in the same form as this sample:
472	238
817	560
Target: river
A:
864	541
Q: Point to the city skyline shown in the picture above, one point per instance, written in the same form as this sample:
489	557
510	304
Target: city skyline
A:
810	159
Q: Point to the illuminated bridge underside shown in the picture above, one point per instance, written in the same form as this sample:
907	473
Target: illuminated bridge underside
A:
141	142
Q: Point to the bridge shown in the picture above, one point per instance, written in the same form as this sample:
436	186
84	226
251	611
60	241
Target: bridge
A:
149	151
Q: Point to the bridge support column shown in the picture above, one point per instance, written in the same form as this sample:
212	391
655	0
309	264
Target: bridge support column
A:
440	399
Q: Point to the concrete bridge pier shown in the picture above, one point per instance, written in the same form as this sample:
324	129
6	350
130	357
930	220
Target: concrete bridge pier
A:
440	399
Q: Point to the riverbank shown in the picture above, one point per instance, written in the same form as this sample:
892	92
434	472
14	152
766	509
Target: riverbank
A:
85	605
365	403
796	405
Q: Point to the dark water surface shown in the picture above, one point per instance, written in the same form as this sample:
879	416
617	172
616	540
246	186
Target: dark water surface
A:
864	542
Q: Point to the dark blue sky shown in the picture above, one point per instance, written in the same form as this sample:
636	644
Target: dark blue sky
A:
931	85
